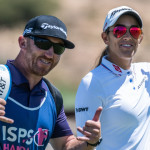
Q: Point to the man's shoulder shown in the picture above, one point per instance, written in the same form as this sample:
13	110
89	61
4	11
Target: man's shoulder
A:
56	95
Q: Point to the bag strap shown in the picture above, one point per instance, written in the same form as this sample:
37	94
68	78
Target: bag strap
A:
56	95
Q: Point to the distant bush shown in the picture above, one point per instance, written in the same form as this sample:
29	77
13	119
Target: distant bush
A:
13	12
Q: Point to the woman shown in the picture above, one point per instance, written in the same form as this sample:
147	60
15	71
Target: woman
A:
120	87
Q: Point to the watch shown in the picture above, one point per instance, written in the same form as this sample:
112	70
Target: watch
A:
95	144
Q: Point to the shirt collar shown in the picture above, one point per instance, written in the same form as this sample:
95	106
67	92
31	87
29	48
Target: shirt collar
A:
18	78
115	69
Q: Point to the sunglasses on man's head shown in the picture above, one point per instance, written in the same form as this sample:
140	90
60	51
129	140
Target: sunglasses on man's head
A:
120	30
46	44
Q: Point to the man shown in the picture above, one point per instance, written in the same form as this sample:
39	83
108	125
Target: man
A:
31	119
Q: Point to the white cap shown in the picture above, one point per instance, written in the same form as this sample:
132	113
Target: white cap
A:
114	14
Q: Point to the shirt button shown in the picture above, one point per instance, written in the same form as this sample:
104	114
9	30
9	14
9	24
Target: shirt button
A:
128	73
131	80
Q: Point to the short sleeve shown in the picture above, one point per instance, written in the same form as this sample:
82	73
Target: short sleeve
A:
61	127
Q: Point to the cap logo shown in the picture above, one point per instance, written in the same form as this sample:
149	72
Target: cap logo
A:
46	26
27	31
116	11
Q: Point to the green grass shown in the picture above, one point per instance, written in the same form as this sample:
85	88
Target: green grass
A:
68	97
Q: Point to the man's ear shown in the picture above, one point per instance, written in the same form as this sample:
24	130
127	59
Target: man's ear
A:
105	37
22	42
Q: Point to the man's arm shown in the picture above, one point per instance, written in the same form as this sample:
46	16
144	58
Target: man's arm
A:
69	143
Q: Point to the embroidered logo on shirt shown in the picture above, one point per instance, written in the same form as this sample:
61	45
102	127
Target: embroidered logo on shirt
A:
39	137
81	109
22	139
141	83
117	68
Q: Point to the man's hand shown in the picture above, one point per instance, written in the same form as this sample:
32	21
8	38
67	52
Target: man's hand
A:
2	112
92	129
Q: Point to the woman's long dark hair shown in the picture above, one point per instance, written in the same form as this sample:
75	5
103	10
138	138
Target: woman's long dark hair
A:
104	53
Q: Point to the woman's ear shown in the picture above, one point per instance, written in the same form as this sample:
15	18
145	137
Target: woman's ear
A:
22	42
141	38
105	37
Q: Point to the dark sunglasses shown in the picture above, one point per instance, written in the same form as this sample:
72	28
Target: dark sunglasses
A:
120	30
46	44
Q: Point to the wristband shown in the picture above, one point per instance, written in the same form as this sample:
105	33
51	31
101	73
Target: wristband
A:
95	144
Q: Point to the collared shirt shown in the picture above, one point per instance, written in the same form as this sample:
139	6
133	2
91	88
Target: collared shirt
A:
124	96
37	102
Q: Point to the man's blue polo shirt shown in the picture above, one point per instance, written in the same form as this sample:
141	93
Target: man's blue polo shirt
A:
34	114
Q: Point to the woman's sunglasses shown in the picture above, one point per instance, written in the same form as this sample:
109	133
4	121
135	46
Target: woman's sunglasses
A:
46	44
120	30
